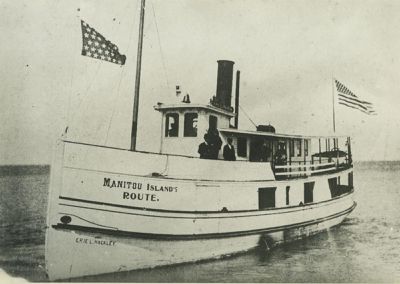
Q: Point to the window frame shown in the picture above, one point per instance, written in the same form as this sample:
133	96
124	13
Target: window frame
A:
298	147
193	131
210	118
175	116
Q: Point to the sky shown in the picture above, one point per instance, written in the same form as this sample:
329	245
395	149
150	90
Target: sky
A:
287	52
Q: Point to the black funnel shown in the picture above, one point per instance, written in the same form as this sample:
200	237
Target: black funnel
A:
224	83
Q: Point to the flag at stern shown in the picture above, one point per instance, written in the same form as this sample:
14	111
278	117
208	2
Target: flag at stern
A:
349	99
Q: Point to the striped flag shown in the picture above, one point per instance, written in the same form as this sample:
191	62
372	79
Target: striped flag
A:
349	99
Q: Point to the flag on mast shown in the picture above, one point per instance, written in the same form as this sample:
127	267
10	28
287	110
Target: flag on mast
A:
97	46
349	99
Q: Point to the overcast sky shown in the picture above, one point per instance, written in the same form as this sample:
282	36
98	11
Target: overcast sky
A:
287	52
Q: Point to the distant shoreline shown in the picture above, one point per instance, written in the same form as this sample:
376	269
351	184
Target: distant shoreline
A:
8	170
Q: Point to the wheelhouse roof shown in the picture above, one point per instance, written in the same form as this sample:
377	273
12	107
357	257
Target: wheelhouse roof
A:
185	106
238	132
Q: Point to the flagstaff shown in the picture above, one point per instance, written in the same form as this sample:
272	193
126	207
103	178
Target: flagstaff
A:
333	104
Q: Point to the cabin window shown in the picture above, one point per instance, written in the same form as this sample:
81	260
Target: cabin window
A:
298	147
242	147
190	129
287	195
266	197
305	147
213	122
291	148
309	192
172	125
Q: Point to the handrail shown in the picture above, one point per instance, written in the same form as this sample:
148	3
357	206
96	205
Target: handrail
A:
304	172
304	165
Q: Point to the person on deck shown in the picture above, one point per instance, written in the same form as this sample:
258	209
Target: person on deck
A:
264	152
229	151
280	158
205	148
215	143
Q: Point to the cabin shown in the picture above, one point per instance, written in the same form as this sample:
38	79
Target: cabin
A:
183	126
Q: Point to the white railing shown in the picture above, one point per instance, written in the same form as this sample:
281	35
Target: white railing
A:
308	169
304	165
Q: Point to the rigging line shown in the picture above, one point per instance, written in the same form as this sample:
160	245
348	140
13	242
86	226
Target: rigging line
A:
114	107
247	115
122	74
71	91
159	44
86	91
131	27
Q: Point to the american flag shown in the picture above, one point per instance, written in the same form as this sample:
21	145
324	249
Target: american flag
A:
97	46
349	99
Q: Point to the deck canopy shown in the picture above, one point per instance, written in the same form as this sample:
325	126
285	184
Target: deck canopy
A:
287	149
194	107
235	132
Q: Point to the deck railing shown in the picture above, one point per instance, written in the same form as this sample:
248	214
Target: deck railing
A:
308	168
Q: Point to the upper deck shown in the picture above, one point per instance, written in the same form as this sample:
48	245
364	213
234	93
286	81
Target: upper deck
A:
290	156
190	129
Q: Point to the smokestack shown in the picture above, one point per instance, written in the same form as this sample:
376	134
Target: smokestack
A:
237	99
224	83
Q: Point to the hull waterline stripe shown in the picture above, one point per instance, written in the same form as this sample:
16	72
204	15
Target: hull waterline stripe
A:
269	211
202	236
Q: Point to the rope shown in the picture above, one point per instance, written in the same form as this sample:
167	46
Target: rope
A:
84	94
159	44
120	79
247	115
115	103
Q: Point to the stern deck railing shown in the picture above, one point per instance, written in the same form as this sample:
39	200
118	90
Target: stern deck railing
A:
308	168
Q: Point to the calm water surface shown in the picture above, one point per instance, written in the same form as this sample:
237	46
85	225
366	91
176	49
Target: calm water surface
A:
365	248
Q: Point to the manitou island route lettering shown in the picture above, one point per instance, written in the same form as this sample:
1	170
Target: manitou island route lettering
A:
146	190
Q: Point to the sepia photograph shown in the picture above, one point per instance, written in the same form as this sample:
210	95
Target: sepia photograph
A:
200	141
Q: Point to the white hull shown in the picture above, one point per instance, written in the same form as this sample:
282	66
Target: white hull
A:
77	253
94	229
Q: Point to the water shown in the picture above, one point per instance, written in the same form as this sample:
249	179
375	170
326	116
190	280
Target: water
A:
365	248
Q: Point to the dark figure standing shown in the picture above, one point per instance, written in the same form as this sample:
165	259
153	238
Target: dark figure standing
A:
205	148
215	143
229	151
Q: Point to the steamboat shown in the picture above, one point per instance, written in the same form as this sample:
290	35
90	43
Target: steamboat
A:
113	209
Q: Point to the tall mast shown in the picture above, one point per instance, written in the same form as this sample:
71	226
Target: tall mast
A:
333	104
137	81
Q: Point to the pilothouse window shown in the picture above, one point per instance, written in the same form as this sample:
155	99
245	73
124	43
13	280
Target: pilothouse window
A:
213	122
172	125
190	129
